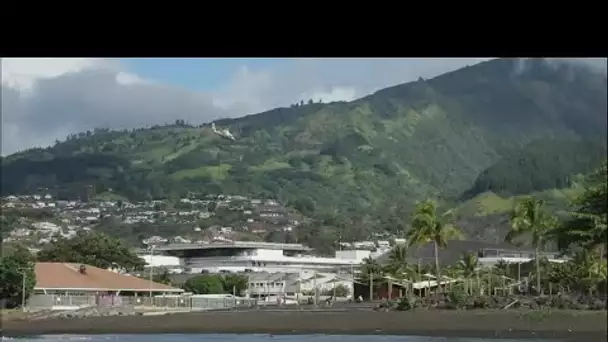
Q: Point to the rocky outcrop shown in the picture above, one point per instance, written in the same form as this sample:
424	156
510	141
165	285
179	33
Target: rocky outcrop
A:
92	312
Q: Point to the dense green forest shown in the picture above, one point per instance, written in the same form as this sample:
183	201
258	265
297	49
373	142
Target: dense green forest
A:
461	132
540	165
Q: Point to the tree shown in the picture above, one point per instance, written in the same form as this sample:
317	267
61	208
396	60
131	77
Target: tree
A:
587	228
468	264
15	266
305	205
204	284
162	277
95	249
369	267
398	264
313	235
427	226
234	282
528	218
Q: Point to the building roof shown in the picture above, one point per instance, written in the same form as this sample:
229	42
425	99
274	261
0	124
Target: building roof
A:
453	252
67	276
233	245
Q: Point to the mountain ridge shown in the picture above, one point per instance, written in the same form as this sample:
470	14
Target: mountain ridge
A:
427	138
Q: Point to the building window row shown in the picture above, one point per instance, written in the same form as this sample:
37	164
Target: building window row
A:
266	284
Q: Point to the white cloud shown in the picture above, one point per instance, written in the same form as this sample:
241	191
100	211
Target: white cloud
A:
22	73
47	99
334	94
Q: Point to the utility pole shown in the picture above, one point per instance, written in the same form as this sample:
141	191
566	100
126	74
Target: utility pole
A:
334	288
352	275
518	271
314	284
371	286
151	271
234	295
23	279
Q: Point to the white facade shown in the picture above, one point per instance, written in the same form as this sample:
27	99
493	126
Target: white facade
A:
296	284
160	260
172	264
235	256
354	254
491	261
265	260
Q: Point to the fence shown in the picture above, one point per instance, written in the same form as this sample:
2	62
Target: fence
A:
67	302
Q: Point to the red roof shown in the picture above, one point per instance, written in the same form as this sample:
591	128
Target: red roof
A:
67	276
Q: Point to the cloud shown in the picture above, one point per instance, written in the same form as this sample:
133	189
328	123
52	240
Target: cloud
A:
47	99
596	65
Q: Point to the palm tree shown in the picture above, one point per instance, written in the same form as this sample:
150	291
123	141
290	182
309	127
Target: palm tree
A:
528	218
398	267
398	260
502	268
369	267
468	264
427	226
467	267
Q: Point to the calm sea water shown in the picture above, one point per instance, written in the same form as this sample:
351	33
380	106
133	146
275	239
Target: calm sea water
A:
251	338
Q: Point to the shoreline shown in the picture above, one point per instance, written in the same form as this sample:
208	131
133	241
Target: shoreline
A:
588	326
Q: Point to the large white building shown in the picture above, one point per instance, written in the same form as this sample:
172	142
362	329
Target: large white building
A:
222	256
239	256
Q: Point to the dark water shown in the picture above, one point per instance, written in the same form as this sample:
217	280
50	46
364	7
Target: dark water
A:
251	338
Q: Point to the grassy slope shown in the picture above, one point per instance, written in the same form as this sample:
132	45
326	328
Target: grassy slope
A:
488	203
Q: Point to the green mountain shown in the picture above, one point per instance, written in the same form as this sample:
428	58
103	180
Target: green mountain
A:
425	138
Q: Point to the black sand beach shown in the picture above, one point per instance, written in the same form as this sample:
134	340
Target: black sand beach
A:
585	326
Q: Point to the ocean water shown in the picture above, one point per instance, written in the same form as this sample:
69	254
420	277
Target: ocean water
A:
252	338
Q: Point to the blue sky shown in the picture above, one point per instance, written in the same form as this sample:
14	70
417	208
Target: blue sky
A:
205	74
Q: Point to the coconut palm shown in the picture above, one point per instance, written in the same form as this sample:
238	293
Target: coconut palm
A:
502	268
369	267
467	267
468	264
398	260
428	226
398	267
528	218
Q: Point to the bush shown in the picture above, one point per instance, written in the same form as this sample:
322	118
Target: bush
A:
457	298
406	303
340	291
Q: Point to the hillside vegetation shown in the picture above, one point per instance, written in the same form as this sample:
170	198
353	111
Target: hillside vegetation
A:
429	138
540	165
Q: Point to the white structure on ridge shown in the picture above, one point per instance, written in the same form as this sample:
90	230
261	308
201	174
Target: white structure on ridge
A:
224	133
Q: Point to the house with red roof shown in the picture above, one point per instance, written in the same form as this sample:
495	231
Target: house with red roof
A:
78	279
